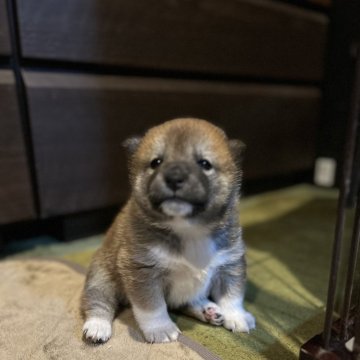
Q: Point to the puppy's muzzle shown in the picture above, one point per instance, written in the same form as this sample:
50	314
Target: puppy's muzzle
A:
176	175
178	188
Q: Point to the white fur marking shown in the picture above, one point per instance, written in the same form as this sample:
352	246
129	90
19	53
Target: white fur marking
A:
188	230
176	208
190	274
236	318
207	311
156	325
97	329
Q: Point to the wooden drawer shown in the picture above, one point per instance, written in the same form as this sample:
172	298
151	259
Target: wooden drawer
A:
16	202
249	38
80	121
4	30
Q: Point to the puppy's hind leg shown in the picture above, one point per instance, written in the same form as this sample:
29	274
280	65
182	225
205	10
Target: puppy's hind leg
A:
204	310
99	304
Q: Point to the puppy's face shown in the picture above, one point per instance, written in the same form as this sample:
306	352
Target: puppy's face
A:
184	168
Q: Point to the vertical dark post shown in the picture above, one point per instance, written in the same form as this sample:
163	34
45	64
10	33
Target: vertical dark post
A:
356	348
353	200
341	102
15	61
354	248
344	192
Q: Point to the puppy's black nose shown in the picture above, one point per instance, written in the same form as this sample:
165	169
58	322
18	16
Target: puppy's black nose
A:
175	176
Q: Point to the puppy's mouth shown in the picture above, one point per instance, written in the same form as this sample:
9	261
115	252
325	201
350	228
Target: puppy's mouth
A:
175	207
178	207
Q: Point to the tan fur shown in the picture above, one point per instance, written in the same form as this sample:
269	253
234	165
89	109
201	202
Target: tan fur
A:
146	250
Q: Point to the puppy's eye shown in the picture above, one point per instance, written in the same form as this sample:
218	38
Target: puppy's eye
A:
205	164
155	163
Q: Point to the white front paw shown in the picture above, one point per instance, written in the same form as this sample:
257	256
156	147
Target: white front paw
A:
239	321
162	334
97	330
156	324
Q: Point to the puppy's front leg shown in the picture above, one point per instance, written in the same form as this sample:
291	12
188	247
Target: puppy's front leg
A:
150	310
228	292
155	323
99	302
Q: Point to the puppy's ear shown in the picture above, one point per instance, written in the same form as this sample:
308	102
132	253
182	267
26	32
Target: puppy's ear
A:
131	144
237	148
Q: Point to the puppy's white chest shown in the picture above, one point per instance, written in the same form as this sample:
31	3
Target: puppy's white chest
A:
186	283
189	274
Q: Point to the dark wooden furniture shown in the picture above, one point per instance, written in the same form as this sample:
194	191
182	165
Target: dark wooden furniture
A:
238	38
16	200
4	30
79	159
91	73
344	35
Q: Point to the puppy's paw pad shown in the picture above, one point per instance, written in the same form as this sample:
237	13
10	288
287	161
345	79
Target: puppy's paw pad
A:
239	321
97	330
213	314
163	334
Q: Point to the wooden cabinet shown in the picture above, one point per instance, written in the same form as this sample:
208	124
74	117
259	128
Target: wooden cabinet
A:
262	38
4	30
92	73
16	199
80	121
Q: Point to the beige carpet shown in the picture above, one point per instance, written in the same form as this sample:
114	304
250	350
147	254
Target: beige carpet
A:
40	319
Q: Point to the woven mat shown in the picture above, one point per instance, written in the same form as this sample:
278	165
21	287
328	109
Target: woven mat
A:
40	319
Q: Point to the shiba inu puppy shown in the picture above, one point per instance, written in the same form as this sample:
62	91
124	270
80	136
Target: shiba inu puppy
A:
177	243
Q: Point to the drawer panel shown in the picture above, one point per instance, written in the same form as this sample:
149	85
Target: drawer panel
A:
260	38
16	201
4	30
80	121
